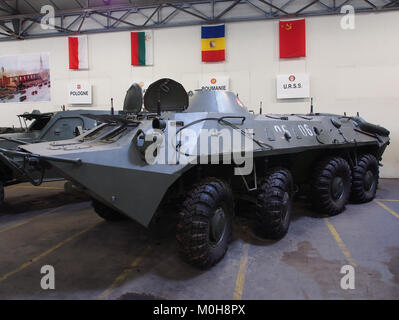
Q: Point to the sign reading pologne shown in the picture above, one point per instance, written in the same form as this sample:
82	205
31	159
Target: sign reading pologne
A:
293	86
79	93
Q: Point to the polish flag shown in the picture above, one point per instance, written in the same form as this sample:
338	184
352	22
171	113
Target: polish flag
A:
78	53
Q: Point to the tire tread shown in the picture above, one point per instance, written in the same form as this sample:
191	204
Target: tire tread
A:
269	200
322	176
192	229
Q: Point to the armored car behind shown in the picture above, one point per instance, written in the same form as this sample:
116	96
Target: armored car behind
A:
38	127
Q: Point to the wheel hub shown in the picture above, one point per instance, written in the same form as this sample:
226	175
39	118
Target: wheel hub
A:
368	180
217	226
285	205
337	188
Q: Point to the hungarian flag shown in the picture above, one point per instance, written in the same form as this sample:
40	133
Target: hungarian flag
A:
78	53
213	43
142	48
293	39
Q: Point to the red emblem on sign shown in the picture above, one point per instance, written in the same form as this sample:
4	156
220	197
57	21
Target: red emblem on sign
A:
79	86
292	78
213	80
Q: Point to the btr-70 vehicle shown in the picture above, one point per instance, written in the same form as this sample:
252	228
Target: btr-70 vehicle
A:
205	152
38	127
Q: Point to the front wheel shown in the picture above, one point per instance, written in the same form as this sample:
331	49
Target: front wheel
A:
274	204
205	226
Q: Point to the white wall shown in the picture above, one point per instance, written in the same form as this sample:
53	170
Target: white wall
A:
350	70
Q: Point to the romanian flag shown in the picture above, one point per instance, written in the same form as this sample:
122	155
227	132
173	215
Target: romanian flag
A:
142	48
213	43
293	39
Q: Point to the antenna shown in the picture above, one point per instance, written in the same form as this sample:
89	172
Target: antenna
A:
112	106
159	102
260	108
311	105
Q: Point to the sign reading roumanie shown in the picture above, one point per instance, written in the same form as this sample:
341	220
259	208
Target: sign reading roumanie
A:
214	83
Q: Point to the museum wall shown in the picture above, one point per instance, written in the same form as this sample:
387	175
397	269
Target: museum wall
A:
350	71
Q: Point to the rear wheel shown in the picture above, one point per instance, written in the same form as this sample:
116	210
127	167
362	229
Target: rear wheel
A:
365	179
205	226
274	203
331	186
106	212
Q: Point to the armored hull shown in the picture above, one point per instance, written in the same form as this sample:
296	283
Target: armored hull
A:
207	151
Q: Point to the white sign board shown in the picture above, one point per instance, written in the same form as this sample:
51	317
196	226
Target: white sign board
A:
293	86
214	83
79	93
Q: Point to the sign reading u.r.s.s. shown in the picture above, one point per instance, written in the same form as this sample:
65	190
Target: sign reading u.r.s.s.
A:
292	86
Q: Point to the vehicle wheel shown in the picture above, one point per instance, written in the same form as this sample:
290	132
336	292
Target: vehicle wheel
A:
365	179
331	186
68	188
1	194
274	203
205	226
106	212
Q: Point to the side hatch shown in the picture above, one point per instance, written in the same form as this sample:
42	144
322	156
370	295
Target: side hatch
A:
63	129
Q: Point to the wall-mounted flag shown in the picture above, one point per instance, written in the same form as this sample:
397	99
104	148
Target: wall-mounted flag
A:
142	48
213	43
293	39
78	53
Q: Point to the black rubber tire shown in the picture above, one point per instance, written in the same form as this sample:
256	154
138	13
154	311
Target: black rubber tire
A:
274	204
106	212
322	186
194	229
367	164
1	194
69	188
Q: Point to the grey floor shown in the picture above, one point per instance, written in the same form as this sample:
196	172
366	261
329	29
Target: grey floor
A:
94	259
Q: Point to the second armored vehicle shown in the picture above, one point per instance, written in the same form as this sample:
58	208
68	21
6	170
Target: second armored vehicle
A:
38	127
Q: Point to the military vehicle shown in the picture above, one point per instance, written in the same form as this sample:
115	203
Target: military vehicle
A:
263	158
38	127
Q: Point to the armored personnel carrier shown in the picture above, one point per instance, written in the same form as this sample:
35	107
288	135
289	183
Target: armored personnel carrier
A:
38	127
204	152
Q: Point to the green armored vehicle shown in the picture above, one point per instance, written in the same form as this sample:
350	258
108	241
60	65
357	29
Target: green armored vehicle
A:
39	127
204	152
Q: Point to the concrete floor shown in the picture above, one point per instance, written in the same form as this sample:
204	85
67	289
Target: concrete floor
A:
94	259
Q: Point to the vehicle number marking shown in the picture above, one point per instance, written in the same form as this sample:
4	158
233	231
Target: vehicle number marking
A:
303	128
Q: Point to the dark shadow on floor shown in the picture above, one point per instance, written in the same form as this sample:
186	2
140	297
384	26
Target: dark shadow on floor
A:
35	202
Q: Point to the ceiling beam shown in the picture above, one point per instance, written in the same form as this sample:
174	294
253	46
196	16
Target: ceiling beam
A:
162	13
